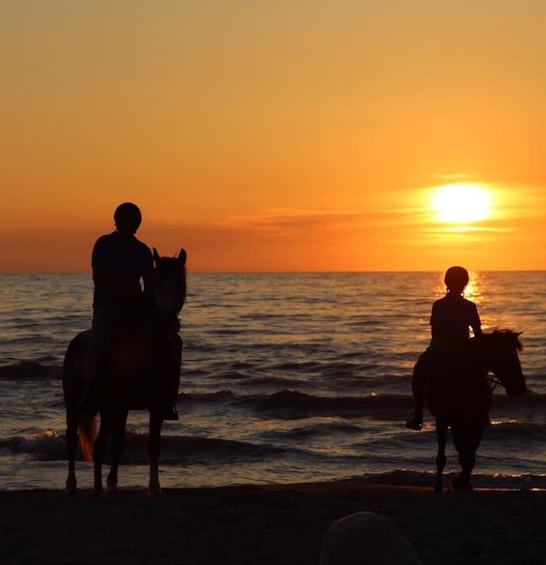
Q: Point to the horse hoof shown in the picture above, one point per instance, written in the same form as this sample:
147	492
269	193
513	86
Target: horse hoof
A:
71	488
155	492
111	487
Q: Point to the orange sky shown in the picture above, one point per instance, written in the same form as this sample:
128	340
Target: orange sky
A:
274	135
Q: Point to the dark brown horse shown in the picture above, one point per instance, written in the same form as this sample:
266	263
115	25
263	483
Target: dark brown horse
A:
142	374
459	396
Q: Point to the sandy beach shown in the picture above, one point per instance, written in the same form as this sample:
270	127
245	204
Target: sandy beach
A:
281	524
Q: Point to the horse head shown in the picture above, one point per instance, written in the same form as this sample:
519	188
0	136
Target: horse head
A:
500	349
169	283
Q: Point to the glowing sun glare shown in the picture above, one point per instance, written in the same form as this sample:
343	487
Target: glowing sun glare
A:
462	203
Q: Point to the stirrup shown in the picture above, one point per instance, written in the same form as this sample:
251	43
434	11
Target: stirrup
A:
170	413
414	422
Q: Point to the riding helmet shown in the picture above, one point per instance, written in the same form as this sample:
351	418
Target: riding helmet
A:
456	277
128	209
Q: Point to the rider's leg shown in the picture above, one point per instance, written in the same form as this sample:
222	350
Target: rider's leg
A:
418	382
104	327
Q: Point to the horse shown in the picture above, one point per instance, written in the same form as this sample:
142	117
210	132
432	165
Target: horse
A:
458	395
142	373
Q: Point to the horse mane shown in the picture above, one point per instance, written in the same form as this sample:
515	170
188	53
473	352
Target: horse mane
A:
508	335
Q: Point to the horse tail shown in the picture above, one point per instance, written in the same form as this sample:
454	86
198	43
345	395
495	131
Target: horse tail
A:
84	423
87	431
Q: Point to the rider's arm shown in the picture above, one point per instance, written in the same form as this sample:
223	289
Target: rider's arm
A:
476	323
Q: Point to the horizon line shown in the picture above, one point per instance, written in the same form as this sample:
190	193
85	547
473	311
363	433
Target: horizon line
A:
289	272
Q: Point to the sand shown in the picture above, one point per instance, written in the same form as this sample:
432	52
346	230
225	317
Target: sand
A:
281	525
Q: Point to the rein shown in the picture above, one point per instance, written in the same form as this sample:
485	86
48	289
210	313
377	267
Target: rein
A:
494	381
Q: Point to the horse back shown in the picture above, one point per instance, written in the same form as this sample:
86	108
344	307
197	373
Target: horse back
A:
136	374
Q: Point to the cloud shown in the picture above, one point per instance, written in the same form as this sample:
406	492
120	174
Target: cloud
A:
461	229
286	221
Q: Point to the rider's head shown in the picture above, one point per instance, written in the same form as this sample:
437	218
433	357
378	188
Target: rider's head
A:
127	218
456	278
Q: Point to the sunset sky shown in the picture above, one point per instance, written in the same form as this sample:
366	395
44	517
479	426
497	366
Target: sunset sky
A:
275	135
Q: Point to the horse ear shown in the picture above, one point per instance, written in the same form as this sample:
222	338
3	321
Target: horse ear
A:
182	256
156	255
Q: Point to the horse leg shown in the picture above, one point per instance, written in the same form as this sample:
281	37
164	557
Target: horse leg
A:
441	436
466	443
71	439
154	440
118	445
99	449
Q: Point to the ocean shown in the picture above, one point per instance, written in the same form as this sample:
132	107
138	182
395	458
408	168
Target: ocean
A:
285	378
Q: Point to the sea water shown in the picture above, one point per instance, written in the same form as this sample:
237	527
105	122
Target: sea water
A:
285	378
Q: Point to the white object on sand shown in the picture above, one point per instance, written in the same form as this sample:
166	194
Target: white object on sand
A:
366	538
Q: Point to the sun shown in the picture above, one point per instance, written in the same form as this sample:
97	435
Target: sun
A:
462	203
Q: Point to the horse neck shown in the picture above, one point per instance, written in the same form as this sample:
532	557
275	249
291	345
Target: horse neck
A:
149	320
492	349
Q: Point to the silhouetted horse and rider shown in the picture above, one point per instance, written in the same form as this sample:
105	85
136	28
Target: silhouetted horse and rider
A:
452	376
131	357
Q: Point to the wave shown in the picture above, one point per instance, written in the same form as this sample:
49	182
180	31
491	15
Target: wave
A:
29	370
318	430
521	482
274	444
175	450
385	405
295	403
221	396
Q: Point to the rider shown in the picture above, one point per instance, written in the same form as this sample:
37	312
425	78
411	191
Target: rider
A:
119	261
450	320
